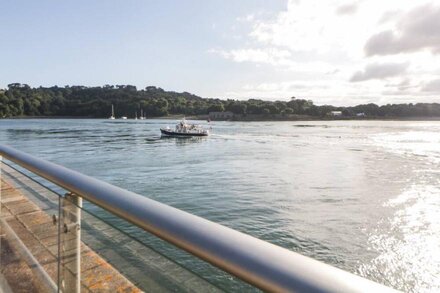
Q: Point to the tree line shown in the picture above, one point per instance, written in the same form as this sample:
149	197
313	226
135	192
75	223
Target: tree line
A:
95	102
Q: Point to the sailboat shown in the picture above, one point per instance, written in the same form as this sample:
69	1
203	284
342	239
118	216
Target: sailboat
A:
113	114
136	115
142	115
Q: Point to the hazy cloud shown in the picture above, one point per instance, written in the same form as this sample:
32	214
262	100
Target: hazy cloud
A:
379	71
432	86
390	16
405	86
276	57
347	9
272	56
284	86
246	18
314	49
417	30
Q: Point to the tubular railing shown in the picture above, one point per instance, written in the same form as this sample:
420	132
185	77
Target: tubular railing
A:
259	263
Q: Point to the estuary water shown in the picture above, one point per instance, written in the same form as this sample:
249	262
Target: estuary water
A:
360	195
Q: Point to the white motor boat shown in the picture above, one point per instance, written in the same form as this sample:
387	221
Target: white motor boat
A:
185	129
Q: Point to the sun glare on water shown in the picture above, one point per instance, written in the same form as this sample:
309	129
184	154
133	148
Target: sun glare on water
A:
408	242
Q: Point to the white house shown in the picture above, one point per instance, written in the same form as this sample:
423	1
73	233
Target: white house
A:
336	113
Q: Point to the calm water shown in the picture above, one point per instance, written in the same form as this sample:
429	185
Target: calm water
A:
361	195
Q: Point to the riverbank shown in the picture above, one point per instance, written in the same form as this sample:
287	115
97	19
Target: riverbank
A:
293	117
251	118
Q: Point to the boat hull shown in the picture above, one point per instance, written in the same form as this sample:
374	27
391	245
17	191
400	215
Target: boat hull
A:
172	133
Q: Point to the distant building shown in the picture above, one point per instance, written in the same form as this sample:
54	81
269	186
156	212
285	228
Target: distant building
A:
360	114
221	115
336	113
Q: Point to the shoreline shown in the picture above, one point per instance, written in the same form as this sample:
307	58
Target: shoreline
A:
240	119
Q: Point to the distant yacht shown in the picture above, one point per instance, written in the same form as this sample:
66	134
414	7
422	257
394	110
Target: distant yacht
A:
113	114
124	117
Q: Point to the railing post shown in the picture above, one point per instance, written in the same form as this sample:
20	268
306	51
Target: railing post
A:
69	249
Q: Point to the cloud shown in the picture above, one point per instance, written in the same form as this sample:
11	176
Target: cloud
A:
246	18
403	86
313	48
379	71
276	57
417	30
272	56
347	9
389	16
306	25
284	86
432	86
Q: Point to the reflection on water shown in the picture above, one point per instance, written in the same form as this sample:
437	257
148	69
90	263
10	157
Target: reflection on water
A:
422	143
183	140
361	195
408	242
408	239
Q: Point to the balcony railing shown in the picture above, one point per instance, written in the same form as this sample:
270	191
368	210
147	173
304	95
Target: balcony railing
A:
78	236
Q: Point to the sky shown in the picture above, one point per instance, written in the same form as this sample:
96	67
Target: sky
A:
332	52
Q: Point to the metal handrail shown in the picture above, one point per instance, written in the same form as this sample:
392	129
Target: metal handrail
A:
259	263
